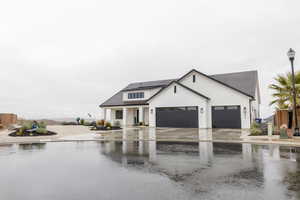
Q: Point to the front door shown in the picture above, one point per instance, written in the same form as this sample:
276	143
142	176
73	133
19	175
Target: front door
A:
136	117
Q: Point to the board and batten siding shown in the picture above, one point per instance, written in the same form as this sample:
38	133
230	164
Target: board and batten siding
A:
220	95
183	97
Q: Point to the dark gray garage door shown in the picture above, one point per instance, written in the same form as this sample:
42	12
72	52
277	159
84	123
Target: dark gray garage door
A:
226	117
179	117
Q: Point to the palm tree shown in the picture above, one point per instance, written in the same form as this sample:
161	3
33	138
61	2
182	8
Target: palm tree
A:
283	90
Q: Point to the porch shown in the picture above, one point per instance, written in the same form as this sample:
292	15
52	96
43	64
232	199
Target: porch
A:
127	116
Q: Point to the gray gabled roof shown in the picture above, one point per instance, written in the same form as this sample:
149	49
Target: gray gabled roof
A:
245	82
148	85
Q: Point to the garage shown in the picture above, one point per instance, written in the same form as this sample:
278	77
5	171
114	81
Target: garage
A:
179	117
226	116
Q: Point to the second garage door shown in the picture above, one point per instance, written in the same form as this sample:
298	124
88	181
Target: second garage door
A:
226	117
179	117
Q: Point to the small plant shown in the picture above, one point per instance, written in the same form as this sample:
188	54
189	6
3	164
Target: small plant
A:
141	123
82	121
27	126
87	124
108	124
255	129
20	132
41	131
42	125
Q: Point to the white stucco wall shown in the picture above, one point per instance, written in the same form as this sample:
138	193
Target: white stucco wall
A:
182	97
146	115
220	95
256	104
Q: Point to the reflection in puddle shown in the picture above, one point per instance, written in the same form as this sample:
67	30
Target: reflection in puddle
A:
32	146
149	170
240	168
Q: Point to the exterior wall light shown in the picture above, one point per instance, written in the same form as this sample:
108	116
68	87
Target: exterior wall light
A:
201	110
245	110
151	110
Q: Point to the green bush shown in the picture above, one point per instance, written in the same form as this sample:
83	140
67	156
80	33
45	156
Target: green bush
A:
108	124
41	131
42	125
27	126
255	129
87	124
82	121
20	132
255	125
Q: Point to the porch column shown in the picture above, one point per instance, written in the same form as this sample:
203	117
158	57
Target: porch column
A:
124	117
104	113
141	114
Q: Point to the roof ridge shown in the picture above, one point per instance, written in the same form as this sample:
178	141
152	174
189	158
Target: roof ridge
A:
153	81
234	72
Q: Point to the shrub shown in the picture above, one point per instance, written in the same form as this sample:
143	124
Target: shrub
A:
255	125
82	121
141	123
108	124
42	125
27	126
41	131
101	122
87	124
20	132
255	129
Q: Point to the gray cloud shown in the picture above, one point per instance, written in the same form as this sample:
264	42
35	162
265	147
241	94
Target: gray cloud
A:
62	58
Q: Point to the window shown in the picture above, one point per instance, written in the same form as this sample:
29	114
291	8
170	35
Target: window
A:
175	89
194	78
219	108
119	114
232	107
171	109
136	95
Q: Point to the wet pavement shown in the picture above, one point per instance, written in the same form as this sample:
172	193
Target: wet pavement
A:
82	133
148	170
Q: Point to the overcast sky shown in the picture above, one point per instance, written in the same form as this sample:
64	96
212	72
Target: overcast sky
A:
62	58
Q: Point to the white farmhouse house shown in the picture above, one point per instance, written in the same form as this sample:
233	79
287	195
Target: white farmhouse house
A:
195	100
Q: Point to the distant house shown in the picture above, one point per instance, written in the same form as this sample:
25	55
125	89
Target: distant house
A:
7	119
195	100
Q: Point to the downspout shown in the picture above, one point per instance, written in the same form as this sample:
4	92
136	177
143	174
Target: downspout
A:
250	111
